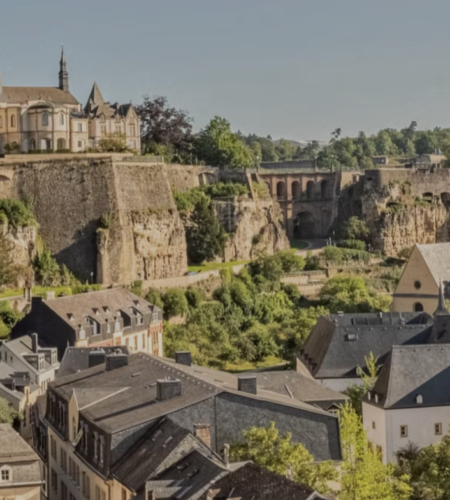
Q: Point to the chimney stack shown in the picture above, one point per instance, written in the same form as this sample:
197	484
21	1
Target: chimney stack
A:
203	432
247	384
114	361
96	357
226	454
34	342
168	389
183	358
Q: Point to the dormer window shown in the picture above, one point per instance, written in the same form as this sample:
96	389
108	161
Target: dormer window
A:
71	317
102	450
81	333
96	311
106	309
108	326
45	120
95	446
419	399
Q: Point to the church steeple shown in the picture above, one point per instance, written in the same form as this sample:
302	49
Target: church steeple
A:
63	74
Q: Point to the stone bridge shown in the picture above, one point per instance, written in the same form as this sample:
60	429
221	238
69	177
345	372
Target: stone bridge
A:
308	200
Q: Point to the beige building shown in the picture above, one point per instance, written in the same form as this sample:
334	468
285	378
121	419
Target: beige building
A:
20	475
418	288
52	119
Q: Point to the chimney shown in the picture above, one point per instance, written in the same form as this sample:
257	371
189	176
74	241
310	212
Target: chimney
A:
114	361
183	358
247	384
203	432
96	357
168	389
34	342
226	454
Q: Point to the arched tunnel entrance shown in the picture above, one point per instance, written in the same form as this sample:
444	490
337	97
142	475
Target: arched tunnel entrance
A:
305	225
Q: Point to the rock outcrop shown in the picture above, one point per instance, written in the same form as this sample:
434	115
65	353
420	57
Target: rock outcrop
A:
253	226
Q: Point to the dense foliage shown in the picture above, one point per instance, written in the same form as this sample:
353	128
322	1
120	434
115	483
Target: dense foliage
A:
7	413
277	453
17	213
7	270
364	477
8	318
48	272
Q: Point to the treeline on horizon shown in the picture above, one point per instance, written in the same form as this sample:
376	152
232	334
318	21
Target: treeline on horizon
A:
167	131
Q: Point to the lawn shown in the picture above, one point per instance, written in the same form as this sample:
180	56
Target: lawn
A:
299	244
213	266
38	291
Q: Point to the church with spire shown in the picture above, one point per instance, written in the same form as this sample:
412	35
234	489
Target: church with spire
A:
39	119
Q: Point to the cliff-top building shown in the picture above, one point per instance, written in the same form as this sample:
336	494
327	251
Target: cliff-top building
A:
52	119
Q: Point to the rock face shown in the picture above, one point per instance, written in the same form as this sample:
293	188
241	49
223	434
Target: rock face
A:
24	241
253	226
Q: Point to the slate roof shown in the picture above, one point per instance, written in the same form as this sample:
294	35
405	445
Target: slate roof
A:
20	95
101	305
411	371
76	359
136	385
437	258
339	343
298	386
252	482
187	479
21	346
97	106
142	460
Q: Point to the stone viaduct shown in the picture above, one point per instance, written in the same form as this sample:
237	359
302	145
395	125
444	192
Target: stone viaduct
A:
308	199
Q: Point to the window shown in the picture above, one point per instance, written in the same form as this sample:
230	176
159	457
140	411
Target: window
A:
374	425
417	285
87	491
61	119
438	429
77	475
64	491
108	327
124	494
45	120
80	127
74	429
403	431
13	121
418	307
133	131
136	343
102	449
99	493
1	121
5	474
80	144
54	480
63	456
82	334
95	446
103	129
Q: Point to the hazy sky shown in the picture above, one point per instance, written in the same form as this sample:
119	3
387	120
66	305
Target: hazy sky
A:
290	68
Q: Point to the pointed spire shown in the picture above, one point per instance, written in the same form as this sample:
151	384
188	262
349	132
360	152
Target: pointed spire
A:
441	308
63	56
96	96
63	74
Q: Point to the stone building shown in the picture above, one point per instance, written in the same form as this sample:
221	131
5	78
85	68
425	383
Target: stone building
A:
117	424
418	288
112	317
20	475
52	119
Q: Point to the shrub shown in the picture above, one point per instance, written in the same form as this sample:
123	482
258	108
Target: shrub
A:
154	297
256	239
312	262
16	213
354	244
225	189
260	189
175	303
105	221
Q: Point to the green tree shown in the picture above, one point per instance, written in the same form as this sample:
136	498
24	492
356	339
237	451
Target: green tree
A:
277	453
175	303
218	146
16	213
155	297
350	293
364	477
368	376
7	414
354	229
7	270
205	236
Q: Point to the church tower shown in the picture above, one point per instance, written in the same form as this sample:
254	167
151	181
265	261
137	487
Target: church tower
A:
63	74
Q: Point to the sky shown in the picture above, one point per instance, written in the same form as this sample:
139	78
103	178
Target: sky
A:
289	68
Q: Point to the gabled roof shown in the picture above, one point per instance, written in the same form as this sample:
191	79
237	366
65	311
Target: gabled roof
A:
101	305
142	460
339	343
21	95
252	482
22	346
189	478
411	371
437	258
13	448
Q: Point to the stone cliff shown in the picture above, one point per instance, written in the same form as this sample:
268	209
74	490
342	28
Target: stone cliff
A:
401	207
113	217
253	226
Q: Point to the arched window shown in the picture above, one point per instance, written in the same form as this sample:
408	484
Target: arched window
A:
281	190
418	307
310	190
296	190
61	118
45	120
13	121
323	189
